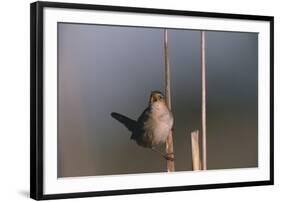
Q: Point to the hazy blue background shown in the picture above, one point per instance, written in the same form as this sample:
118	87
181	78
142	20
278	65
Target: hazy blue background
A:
104	69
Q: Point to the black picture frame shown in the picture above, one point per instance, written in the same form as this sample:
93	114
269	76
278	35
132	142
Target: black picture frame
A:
36	98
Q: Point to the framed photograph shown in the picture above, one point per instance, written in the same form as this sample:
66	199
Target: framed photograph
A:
129	100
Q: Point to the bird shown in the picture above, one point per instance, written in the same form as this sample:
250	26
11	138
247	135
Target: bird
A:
153	126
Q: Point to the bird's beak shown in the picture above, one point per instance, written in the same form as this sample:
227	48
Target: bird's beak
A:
153	99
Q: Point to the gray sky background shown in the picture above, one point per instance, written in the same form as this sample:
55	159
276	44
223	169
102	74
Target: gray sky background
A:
104	69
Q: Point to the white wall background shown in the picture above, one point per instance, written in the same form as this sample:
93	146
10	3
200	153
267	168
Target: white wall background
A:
14	100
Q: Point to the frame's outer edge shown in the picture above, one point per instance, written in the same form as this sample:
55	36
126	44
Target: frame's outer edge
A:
272	100
153	11
36	101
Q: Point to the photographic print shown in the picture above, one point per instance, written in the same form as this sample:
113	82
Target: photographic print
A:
132	100
113	113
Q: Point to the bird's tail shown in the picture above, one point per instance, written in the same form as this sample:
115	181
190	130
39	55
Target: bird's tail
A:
130	124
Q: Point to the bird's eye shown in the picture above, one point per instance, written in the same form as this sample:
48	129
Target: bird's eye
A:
160	97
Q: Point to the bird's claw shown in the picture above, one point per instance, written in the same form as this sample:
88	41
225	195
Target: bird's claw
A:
169	157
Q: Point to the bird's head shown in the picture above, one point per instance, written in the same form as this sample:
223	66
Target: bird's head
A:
156	96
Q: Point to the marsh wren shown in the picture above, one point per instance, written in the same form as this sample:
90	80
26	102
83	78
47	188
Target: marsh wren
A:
154	124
